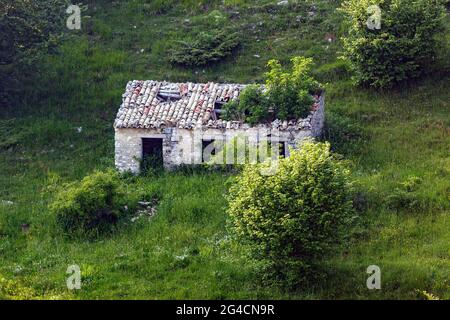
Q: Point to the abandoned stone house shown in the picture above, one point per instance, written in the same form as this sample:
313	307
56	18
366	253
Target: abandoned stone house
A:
176	122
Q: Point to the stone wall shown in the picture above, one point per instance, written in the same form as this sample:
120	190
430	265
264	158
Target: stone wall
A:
318	119
184	146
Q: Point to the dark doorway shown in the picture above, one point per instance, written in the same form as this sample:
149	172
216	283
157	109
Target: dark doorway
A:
205	144
282	149
152	154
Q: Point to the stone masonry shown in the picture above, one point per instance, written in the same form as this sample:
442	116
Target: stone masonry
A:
190	118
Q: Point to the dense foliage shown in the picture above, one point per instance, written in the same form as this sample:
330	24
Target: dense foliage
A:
400	47
205	48
92	205
252	106
293	218
286	94
28	28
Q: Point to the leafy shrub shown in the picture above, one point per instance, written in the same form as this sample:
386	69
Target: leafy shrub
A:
93	205
290	93
12	290
405	196
292	219
424	295
16	290
252	106
204	48
411	184
400	49
400	199
286	95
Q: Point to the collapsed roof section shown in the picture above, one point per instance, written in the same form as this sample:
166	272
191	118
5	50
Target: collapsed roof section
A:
155	105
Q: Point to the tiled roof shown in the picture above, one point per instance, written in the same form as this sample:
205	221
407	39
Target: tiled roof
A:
153	104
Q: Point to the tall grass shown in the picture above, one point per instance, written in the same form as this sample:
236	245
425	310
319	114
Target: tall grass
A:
184	251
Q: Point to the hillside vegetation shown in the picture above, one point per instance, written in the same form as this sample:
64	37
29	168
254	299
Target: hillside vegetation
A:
59	129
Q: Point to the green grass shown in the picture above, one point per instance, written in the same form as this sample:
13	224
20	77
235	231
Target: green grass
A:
183	252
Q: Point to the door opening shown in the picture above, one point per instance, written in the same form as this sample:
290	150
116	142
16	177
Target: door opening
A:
208	149
152	154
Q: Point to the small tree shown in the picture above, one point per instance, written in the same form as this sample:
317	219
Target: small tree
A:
290	93
389	41
287	94
93	205
252	106
292	219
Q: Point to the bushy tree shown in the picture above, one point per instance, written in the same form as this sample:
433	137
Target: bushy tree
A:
91	206
290	93
287	94
291	220
252	106
397	44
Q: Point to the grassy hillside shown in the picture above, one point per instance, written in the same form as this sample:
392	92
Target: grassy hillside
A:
390	138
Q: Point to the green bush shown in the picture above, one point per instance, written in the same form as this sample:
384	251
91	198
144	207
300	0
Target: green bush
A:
252	106
93	205
406	197
287	94
290	93
401	49
204	48
292	219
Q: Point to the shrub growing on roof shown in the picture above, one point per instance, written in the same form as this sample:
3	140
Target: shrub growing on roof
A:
397	49
287	94
251	107
291	220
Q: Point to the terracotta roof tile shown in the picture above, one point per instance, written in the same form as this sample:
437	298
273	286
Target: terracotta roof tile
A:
152	104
